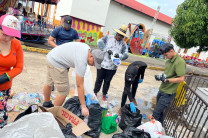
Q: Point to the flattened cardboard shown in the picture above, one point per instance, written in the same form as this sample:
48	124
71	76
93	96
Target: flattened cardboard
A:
13	115
64	116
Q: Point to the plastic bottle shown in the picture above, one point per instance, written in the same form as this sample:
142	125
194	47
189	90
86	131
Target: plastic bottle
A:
105	105
29	99
86	120
15	100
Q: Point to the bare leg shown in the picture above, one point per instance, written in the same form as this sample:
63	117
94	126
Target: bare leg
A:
47	92
59	100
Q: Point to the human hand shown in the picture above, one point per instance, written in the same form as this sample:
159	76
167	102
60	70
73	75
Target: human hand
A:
140	81
133	108
166	81
116	55
85	111
110	52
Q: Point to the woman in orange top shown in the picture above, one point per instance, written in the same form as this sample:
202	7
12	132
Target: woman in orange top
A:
11	60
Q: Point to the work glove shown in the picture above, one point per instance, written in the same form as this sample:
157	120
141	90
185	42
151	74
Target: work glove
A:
110	52
133	108
140	81
116	55
4	78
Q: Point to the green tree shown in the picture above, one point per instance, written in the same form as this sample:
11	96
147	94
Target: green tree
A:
190	25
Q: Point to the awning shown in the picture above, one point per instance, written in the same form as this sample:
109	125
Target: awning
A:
47	1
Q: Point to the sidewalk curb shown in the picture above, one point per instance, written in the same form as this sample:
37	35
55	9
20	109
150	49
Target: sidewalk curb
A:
45	51
149	67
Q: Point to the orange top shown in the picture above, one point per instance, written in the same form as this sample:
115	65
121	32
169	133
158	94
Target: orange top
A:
12	64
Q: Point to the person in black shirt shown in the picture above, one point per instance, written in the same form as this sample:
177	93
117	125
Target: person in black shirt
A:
133	76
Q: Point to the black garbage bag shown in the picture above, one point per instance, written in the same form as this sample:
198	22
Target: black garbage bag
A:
129	119
67	131
119	135
31	109
132	132
94	120
73	105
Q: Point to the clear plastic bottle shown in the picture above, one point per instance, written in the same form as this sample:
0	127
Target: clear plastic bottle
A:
29	99
15	100
105	105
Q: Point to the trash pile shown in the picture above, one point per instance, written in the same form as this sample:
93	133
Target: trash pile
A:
38	122
24	100
68	122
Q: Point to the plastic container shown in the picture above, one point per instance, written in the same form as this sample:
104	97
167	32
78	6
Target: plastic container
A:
18	98
29	99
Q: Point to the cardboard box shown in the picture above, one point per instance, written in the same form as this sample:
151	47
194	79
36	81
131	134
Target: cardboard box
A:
64	116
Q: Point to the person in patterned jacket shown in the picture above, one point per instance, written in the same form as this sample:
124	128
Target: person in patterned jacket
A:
111	44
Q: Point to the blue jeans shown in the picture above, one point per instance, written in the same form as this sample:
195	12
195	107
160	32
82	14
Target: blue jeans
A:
163	101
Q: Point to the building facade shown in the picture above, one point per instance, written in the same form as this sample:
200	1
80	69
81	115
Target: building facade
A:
90	17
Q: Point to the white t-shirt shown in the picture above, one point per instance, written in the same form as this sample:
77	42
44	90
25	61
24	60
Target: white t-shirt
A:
72	54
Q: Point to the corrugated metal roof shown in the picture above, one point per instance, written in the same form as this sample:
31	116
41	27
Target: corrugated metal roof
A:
145	9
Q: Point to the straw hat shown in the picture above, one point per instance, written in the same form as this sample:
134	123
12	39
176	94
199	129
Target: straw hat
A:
122	30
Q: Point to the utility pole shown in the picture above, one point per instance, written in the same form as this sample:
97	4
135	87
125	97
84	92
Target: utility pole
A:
152	25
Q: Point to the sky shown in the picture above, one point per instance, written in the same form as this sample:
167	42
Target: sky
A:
167	7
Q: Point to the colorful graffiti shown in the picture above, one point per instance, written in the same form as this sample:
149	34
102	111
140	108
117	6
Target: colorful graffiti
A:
155	46
88	32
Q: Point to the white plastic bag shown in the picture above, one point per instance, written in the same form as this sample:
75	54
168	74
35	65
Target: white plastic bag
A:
88	82
154	128
35	125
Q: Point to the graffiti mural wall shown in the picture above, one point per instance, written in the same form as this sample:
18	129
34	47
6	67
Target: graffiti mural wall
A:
88	32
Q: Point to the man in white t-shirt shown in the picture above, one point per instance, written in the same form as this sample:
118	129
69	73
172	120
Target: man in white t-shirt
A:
69	55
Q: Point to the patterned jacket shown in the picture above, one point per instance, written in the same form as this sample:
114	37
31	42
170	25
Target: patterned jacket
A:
109	42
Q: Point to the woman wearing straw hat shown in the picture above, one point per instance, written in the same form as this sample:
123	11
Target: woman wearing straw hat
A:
116	46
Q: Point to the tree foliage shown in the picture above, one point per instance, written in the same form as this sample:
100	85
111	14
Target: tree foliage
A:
190	25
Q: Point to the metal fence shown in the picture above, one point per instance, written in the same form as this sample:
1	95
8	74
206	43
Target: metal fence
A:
196	81
187	115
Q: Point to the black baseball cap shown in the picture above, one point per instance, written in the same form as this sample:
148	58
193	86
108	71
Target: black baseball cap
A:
166	48
67	21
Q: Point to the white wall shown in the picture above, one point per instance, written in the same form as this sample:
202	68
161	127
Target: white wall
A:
94	11
119	14
64	7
